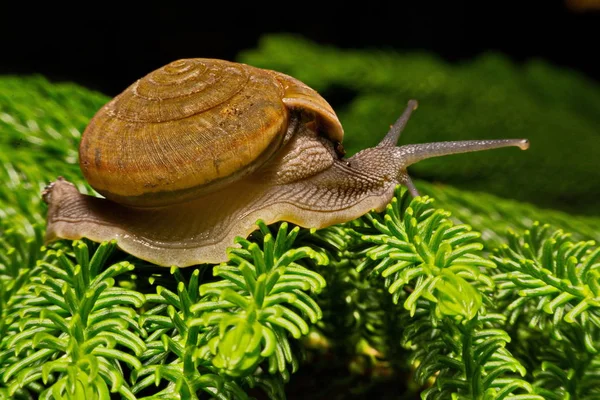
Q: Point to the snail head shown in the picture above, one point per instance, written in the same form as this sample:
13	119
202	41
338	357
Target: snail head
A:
392	160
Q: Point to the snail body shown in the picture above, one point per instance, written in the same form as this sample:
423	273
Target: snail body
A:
194	153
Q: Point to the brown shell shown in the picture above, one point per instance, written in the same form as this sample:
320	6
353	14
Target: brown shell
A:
190	127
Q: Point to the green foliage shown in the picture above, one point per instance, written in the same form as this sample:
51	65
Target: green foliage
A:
489	97
253	308
171	347
434	267
79	327
549	289
494	218
421	246
454	294
562	277
41	124
68	327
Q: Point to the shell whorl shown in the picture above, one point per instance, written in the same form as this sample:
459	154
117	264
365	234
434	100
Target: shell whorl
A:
185	129
179	90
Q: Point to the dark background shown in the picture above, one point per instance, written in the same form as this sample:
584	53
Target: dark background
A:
107	47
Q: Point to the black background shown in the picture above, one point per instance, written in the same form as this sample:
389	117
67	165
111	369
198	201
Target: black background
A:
108	46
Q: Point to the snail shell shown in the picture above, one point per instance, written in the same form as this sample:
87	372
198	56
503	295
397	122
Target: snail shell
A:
191	127
194	153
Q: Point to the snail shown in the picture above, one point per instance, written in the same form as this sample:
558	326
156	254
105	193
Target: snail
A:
194	153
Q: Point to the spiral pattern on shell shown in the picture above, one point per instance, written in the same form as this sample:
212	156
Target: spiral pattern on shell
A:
179	90
190	127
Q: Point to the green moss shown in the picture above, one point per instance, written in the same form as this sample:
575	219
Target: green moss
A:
40	126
